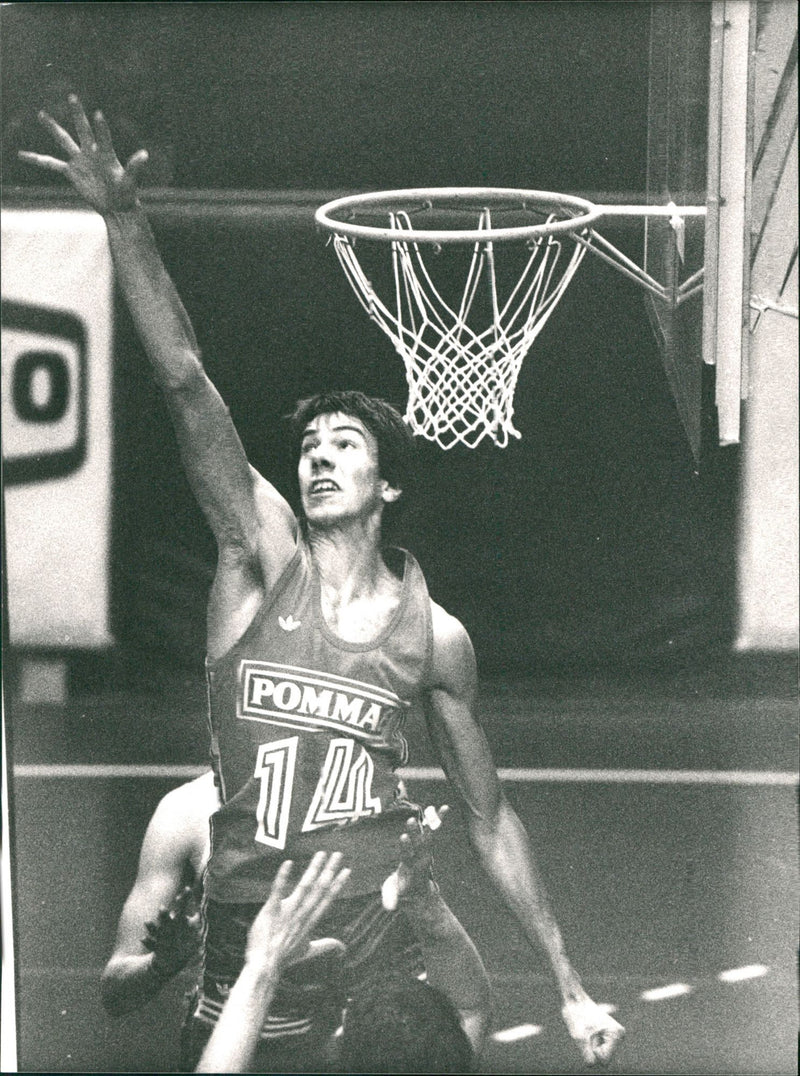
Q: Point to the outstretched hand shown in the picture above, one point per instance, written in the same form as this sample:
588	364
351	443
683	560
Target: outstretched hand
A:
279	934
596	1033
173	937
92	166
413	877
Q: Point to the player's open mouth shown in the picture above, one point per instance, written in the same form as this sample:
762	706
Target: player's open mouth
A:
324	486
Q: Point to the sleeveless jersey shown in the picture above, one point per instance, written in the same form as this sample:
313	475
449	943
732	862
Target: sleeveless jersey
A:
306	731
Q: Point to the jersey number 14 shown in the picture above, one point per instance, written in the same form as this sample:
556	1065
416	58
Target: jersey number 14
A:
344	789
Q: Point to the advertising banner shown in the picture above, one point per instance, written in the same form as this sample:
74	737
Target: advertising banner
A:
56	427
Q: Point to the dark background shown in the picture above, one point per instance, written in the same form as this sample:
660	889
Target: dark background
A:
595	541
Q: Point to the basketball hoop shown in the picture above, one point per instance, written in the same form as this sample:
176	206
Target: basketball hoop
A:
463	352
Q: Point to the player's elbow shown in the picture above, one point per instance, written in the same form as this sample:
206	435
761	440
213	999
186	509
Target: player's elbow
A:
114	997
485	825
109	995
476	1023
492	833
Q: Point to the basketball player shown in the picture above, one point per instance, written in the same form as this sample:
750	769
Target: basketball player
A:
159	930
319	641
398	1024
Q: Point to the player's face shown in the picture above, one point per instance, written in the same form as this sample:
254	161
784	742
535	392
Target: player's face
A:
338	471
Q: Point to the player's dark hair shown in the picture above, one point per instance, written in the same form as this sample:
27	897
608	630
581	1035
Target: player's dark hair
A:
400	1024
395	440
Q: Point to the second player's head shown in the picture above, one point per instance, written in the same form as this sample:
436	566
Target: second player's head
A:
402	1025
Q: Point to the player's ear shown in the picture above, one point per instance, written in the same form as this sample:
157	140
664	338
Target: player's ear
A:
390	494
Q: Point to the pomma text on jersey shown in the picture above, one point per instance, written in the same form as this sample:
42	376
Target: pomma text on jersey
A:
271	691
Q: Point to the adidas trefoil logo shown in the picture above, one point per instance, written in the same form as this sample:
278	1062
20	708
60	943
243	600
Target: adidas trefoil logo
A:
288	623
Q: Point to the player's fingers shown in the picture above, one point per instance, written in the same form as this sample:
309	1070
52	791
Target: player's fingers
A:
314	950
321	869
602	1054
317	881
67	143
413	851
310	913
103	134
413	836
82	128
390	892
605	1043
280	884
323	946
336	885
137	162
319	884
315	866
52	164
324	893
587	1051
182	900
307	881
433	818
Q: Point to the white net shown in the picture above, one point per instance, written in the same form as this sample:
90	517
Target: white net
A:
461	379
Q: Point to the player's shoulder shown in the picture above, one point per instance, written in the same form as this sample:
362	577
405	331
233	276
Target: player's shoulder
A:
453	655
189	803
447	629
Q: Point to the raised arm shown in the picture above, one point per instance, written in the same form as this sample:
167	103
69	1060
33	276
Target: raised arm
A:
158	931
496	833
244	511
278	937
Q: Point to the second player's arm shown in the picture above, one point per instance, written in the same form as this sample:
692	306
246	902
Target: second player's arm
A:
279	934
452	962
133	975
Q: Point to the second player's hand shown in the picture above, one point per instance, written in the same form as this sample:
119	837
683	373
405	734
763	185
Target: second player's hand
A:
279	934
92	165
596	1033
413	877
173	936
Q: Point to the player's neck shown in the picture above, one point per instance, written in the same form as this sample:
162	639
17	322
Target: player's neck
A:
349	558
358	593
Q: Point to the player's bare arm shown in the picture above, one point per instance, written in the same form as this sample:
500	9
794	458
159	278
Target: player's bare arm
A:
278	937
253	525
158	931
452	962
495	831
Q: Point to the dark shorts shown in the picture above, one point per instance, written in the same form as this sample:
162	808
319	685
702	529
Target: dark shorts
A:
308	1004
